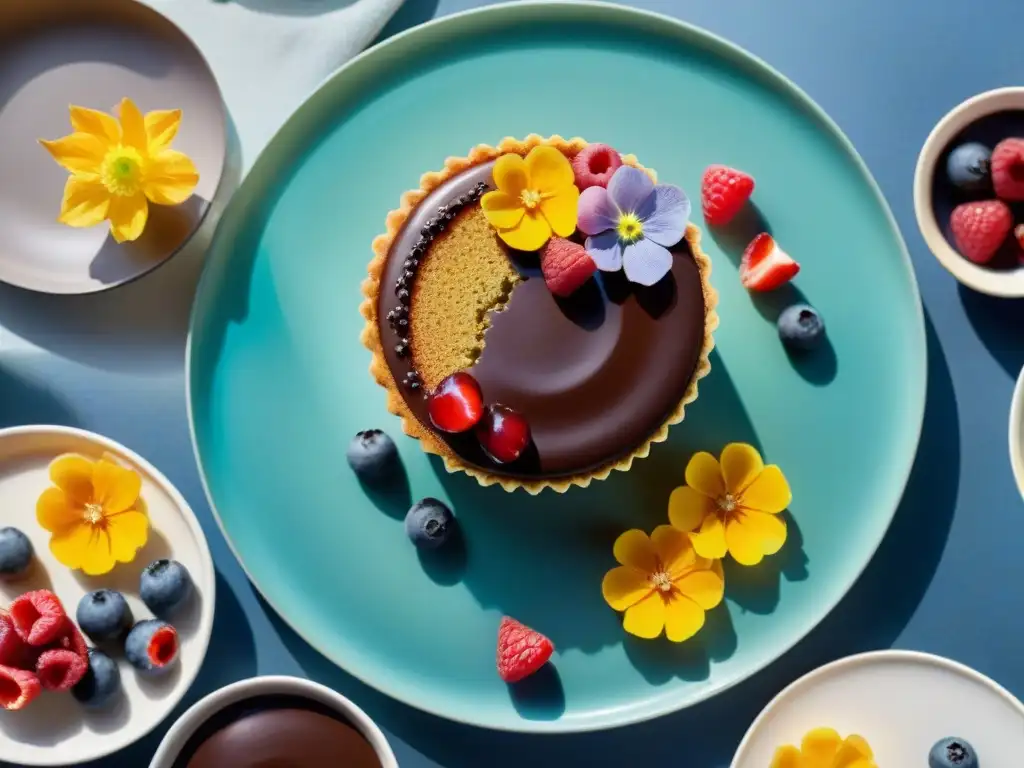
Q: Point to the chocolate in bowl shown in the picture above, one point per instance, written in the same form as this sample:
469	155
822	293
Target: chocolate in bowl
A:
274	721
277	730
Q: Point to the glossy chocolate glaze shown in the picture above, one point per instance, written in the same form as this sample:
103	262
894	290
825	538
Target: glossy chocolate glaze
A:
277	731
595	374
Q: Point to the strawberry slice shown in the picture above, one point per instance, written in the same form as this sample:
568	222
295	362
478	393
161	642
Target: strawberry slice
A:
765	266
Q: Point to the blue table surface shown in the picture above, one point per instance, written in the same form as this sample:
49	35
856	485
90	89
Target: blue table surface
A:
946	579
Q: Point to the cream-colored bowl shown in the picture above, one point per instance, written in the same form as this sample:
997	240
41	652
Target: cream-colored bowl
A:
204	709
1005	283
1017	433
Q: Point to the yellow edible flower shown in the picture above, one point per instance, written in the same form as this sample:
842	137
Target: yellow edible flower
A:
732	506
825	748
93	512
534	198
662	584
119	167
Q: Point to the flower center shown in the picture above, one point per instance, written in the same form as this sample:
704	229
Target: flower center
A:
93	514
727	503
661	581
630	228
530	198
121	171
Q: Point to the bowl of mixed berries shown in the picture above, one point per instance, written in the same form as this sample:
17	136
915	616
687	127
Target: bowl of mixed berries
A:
969	192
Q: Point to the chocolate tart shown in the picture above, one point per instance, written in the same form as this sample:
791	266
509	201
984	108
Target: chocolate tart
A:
600	375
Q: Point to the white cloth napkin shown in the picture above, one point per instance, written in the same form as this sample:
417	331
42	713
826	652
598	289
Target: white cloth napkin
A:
268	55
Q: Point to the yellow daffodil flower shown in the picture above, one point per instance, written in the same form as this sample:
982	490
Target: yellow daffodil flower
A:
732	506
119	167
535	197
825	748
661	583
94	513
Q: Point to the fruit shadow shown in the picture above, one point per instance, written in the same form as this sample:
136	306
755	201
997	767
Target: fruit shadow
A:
541	558
35	577
540	696
817	366
392	496
734	237
446	565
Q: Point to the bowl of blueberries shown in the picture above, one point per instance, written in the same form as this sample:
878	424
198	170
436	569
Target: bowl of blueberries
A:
969	192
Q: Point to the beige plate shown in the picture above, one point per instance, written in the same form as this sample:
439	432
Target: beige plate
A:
93	54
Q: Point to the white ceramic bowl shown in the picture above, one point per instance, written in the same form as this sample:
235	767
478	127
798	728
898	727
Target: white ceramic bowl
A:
1016	433
902	702
204	709
995	283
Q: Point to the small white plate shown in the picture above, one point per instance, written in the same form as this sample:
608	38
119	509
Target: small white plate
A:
1016	433
1005	283
100	52
55	730
179	735
902	702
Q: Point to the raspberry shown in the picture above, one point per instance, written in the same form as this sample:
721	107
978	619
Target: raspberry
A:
1008	169
521	650
979	229
38	617
17	688
60	670
724	191
12	647
72	640
566	266
595	165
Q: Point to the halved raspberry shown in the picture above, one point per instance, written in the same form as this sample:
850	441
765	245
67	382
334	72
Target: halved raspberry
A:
70	639
595	165
12	647
60	670
38	617
163	646
17	688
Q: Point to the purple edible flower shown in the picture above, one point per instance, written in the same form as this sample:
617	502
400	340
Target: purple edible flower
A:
632	224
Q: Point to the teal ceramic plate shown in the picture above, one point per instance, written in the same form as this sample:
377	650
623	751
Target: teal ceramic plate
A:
278	379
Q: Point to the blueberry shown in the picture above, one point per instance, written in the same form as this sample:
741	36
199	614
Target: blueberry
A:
429	523
801	327
952	752
151	646
165	585
969	167
15	553
372	455
101	681
103	614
